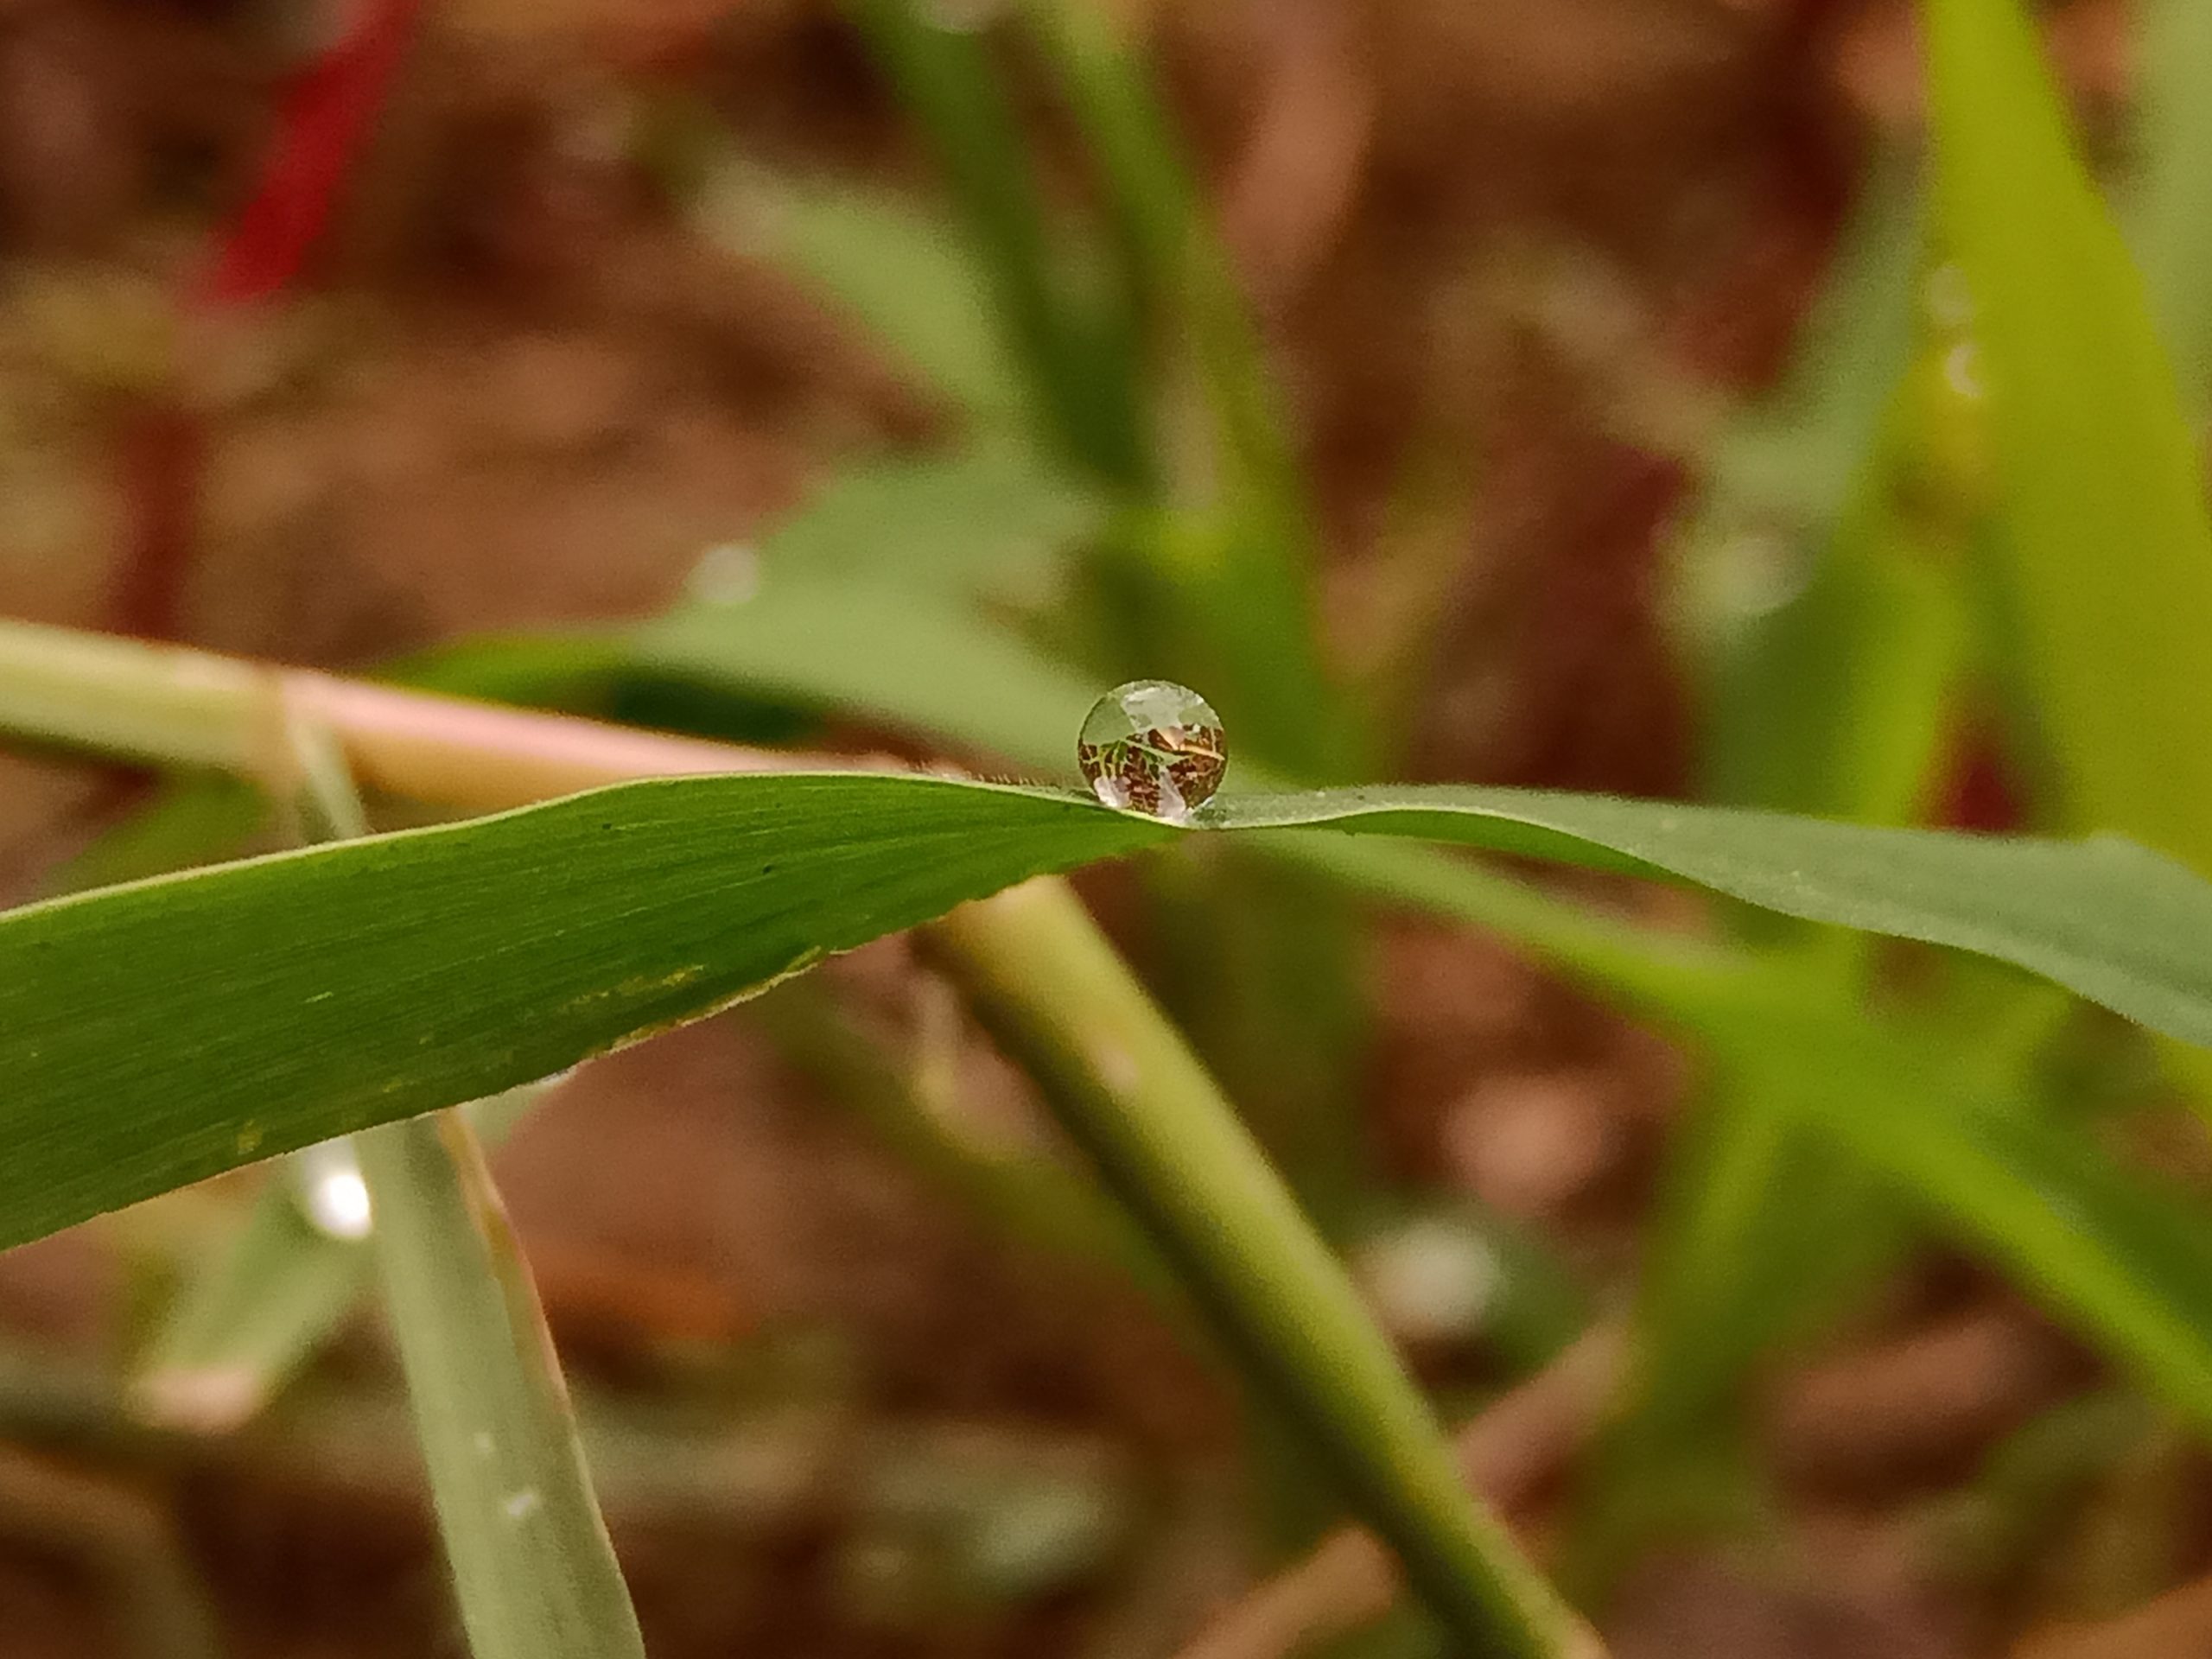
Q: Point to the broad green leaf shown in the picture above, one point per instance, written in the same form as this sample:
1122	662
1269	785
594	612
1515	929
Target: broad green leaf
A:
380	978
533	1569
2105	568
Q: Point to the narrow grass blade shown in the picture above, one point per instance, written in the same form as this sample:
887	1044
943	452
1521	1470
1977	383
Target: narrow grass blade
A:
2101	916
234	1013
533	1568
923	664
250	1319
2106	566
1828	635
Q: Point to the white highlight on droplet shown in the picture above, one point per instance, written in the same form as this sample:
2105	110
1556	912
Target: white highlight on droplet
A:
333	1195
520	1506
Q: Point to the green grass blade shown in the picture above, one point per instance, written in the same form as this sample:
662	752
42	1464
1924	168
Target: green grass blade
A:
234	1013
917	663
373	980
1828	634
995	515
533	1568
2126	1258
1241	566
1780	483
2106	566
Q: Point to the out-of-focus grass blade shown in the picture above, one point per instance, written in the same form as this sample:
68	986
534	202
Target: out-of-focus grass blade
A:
994	516
1829	634
533	1569
196	816
917	663
156	1033
1236	560
1079	360
2129	1259
250	1319
1782	473
901	269
253	1315
2170	210
2105	572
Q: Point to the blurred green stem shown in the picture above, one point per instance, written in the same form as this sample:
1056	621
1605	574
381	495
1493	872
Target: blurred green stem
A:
1162	1136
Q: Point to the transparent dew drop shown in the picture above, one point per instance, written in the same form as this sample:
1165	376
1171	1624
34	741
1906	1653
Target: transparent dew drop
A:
1153	746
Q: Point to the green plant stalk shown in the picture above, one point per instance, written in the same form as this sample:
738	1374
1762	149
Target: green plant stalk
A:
533	1567
1144	1108
531	1561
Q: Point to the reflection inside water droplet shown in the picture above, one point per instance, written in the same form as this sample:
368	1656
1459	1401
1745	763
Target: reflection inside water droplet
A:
1153	746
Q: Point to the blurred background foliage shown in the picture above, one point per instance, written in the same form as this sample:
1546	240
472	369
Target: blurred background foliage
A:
1606	394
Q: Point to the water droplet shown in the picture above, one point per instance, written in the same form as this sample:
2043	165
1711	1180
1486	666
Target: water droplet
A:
1153	746
332	1193
521	1505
